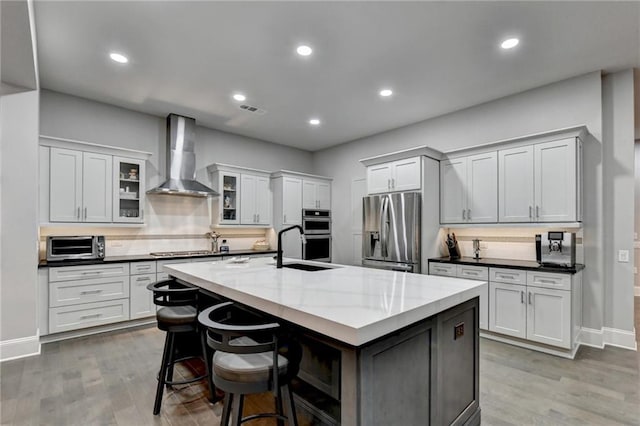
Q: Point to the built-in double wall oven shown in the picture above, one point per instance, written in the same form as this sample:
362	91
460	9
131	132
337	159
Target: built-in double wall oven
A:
317	231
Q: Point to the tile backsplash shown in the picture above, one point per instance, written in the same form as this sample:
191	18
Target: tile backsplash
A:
506	243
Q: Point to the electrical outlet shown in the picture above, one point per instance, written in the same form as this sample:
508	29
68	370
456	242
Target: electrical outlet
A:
115	244
623	255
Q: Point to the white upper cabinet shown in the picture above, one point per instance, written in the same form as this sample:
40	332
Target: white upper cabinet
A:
453	180
65	183
245	196
515	183
255	200
400	175
541	182
129	191
291	201
469	188
80	186
555	181
316	194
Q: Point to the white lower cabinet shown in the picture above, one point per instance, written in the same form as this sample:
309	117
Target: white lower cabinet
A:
470	272
87	295
539	310
141	300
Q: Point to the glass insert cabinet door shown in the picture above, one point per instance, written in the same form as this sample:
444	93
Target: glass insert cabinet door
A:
129	190
230	197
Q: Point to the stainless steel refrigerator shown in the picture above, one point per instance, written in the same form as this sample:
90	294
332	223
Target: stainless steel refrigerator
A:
391	231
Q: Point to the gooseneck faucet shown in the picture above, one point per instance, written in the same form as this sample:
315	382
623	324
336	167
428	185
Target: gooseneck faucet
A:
279	254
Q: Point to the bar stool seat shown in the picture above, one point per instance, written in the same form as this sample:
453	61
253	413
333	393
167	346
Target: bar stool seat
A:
248	360
178	314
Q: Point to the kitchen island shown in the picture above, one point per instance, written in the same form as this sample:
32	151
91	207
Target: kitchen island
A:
408	343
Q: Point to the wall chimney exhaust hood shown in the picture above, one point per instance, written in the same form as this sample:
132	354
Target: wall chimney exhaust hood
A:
181	160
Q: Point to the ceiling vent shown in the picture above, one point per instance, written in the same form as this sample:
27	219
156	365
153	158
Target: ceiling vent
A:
252	109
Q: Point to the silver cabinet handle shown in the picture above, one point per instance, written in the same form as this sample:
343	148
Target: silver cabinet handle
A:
143	279
91	272
388	183
393	183
90	316
530	298
530	212
547	281
464	214
506	276
537	212
91	292
468	214
144	267
142	214
85	213
471	273
521	296
78	213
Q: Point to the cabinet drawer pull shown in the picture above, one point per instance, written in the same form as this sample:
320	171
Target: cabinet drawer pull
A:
505	276
521	296
471	273
393	183
85	213
547	281
144	267
91	272
468	214
464	214
530	298
143	279
91	291
530	212
537	211
78	214
90	316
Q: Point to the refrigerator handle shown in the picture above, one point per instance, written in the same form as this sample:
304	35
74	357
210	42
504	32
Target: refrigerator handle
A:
384	228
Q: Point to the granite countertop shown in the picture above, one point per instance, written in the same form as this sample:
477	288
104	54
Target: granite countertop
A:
147	257
351	304
509	263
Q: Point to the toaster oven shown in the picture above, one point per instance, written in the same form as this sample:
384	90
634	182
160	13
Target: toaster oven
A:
75	247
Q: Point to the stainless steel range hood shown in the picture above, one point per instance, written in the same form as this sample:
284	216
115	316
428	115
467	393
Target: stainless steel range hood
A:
181	160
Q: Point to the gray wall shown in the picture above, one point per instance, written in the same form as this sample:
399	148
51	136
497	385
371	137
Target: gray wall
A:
82	119
18	219
571	102
618	155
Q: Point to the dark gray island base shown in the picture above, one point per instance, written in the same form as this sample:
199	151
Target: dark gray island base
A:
378	347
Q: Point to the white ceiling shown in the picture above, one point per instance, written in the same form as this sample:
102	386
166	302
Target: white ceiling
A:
189	57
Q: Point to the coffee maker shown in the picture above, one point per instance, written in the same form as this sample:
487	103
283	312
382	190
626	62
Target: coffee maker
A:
556	248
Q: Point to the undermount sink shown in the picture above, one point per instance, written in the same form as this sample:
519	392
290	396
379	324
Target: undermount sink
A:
306	267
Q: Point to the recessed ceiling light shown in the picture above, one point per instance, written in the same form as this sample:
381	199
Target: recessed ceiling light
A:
304	50
118	57
239	97
314	122
509	43
386	92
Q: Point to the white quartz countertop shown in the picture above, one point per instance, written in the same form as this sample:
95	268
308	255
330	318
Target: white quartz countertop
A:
351	304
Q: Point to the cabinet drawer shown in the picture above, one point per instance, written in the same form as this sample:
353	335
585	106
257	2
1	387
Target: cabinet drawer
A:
87	315
67	273
445	269
64	293
549	280
480	273
138	268
509	276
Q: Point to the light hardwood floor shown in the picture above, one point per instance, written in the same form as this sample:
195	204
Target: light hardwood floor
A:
109	379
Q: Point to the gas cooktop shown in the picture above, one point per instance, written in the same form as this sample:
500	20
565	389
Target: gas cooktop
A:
186	253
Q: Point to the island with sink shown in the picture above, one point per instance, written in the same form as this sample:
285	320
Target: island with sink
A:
406	344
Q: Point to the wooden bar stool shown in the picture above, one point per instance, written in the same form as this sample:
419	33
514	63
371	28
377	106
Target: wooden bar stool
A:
178	314
246	361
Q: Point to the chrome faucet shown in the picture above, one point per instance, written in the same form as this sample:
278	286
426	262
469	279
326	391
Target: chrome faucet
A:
279	254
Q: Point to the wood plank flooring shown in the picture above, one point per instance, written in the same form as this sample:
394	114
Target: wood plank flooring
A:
109	379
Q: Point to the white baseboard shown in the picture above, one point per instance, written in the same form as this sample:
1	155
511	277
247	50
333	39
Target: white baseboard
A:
620	338
19	348
636	291
608	337
591	337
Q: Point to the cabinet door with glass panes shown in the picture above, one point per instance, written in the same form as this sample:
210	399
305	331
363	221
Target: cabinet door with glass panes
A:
129	190
229	200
